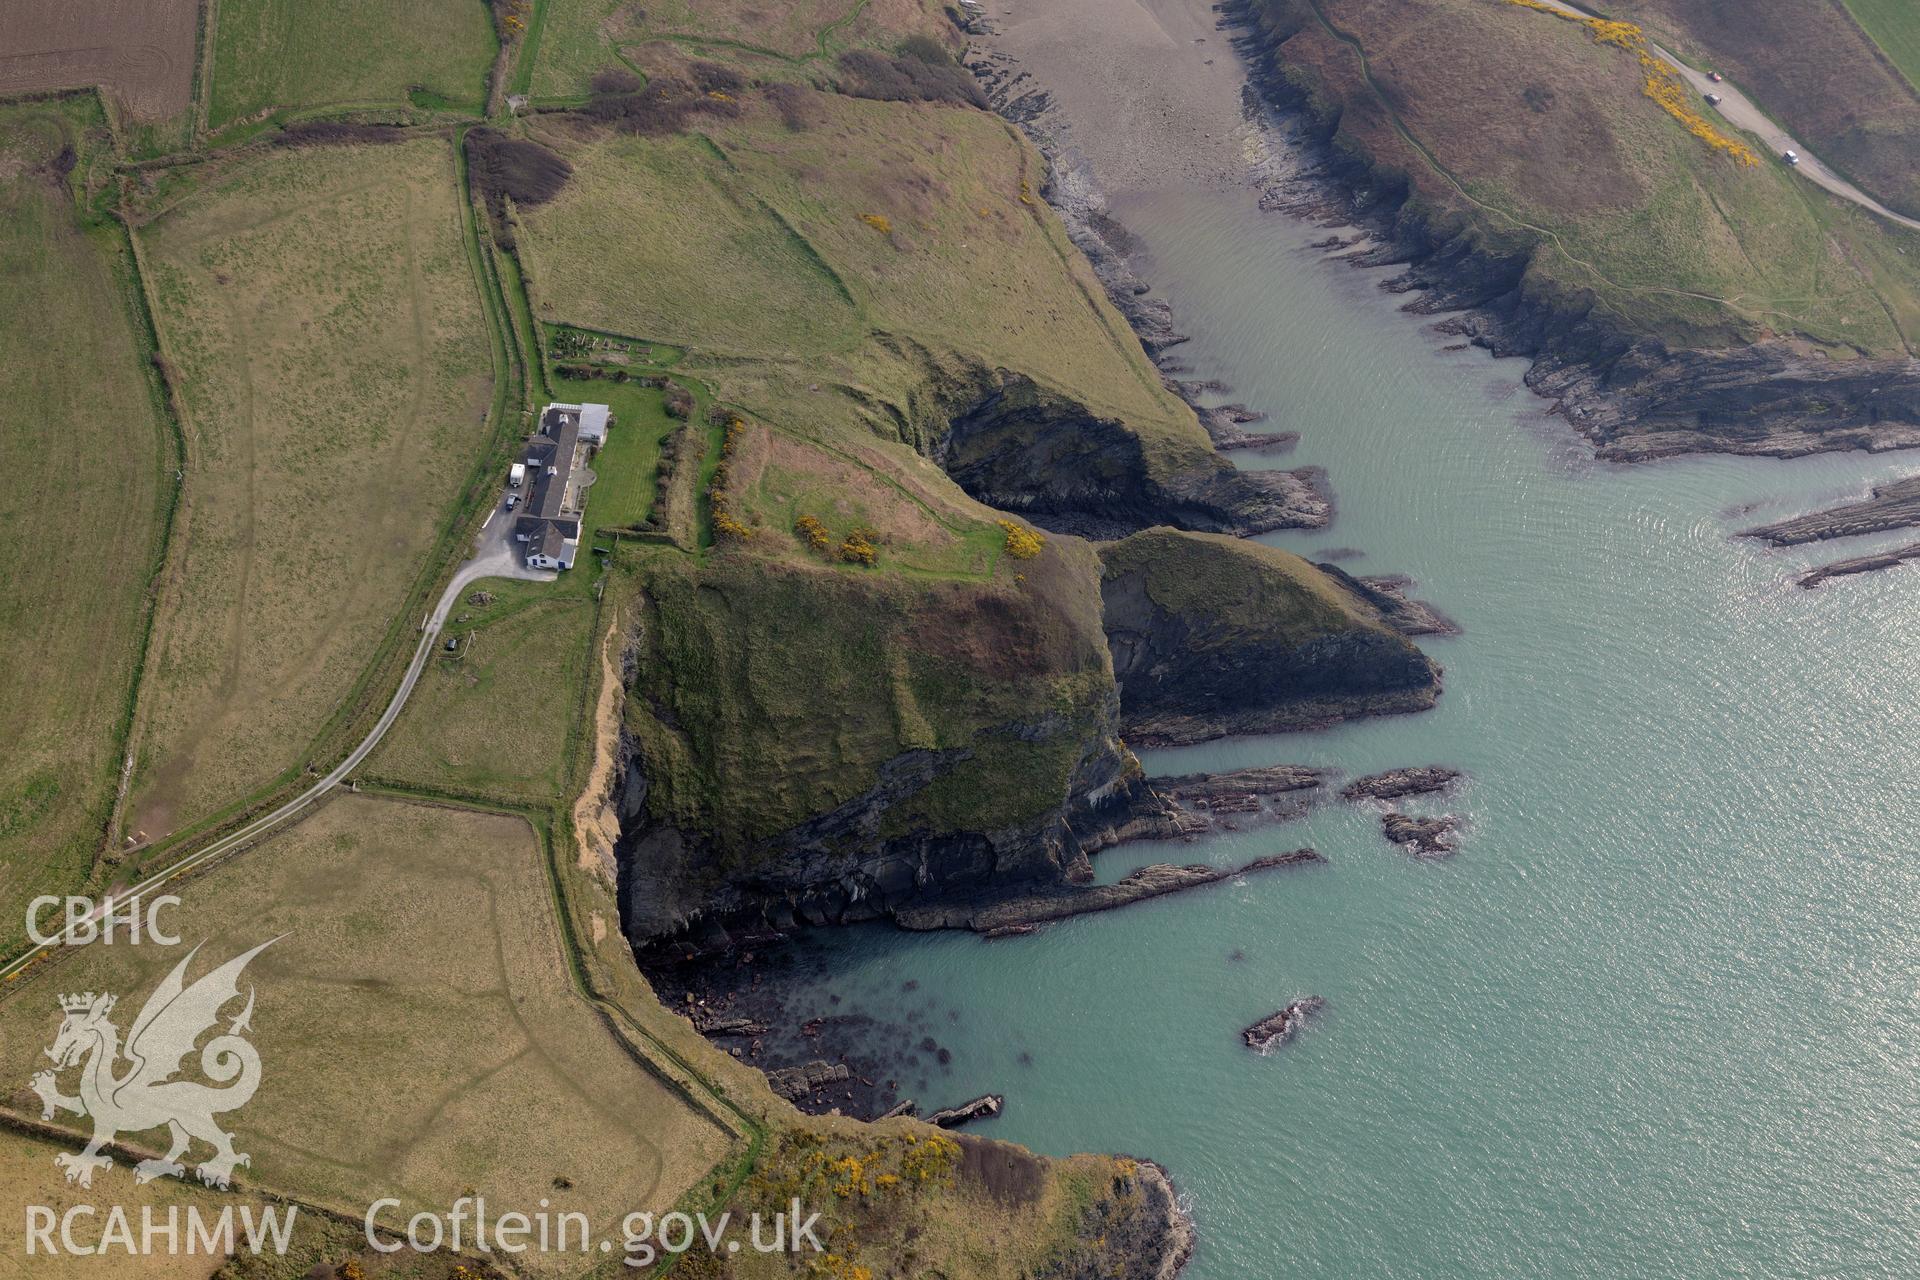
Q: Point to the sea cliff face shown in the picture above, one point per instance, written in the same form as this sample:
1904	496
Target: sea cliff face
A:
1022	448
855	862
1636	396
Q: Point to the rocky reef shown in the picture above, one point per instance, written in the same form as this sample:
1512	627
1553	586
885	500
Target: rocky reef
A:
1012	911
1890	506
1861	564
1212	636
1276	1029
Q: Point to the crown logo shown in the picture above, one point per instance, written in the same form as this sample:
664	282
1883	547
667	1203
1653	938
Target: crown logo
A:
82	1003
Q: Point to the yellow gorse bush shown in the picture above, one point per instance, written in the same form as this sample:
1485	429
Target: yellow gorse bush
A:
1022	543
1662	83
879	222
810	531
725	523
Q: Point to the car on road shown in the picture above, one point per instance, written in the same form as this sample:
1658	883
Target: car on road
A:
1791	157
513	500
1715	76
1714	99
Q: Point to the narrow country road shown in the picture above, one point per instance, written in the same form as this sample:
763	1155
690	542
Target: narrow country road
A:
1739	110
493	558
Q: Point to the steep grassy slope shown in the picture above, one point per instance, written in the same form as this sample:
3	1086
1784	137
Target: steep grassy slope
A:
1816	70
885	268
1521	122
822	733
82	512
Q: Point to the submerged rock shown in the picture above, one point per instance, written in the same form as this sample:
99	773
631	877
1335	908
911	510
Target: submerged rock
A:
1275	1029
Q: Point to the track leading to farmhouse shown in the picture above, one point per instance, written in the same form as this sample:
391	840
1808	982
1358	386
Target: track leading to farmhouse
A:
493	558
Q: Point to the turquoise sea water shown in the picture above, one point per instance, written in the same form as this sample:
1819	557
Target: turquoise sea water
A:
1661	1015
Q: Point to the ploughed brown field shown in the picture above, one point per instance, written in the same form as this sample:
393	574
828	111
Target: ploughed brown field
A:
140	50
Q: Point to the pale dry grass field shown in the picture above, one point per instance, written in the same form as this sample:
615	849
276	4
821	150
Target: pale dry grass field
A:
293	53
83	507
329	343
582	37
418	1031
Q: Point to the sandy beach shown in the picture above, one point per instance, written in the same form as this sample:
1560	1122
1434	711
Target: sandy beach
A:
1159	75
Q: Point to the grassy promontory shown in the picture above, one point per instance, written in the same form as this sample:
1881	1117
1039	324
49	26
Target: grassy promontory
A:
1673	297
1213	636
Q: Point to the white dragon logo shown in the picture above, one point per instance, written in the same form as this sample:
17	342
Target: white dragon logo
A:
145	1095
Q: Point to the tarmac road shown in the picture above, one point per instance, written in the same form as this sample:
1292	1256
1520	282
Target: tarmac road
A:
1738	110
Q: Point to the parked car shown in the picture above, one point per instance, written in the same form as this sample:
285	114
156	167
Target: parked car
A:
513	500
1791	157
1714	99
1715	76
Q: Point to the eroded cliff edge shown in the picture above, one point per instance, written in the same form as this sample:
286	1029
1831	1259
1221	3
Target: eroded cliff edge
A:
810	748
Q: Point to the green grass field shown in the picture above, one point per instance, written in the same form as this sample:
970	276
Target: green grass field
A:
626	468
831	277
271	54
582	37
496	718
417	1026
1895	27
321	314
84	508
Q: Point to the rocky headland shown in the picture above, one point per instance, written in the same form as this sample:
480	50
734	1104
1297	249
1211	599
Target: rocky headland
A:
1634	392
1213	636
